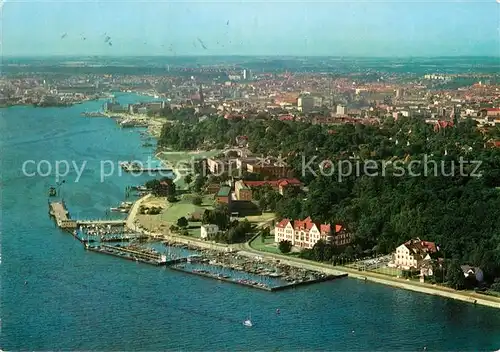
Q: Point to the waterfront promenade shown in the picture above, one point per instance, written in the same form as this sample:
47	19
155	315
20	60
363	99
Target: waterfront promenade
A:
245	249
465	296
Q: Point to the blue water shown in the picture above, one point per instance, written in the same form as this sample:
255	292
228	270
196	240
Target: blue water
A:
80	300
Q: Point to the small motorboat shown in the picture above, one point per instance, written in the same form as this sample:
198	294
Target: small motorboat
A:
52	192
248	322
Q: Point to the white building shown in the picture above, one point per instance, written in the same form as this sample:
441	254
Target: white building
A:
341	110
305	103
246	74
413	254
305	233
208	230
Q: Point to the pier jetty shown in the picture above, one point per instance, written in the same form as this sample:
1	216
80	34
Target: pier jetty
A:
63	220
100	222
133	254
60	213
255	284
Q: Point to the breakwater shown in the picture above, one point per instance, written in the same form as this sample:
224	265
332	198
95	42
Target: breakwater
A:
256	284
137	255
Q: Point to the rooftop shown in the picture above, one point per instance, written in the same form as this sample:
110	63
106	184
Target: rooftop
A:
224	191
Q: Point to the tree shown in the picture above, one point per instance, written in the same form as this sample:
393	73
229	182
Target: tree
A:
265	232
197	200
381	210
188	179
319	250
285	246
182	222
207	217
199	182
455	276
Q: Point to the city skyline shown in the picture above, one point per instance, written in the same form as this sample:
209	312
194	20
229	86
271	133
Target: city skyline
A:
346	29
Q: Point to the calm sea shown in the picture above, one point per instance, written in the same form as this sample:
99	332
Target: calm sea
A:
78	300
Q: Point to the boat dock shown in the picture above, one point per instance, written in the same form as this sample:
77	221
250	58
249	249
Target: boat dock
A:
63	220
59	212
131	254
308	282
118	222
254	284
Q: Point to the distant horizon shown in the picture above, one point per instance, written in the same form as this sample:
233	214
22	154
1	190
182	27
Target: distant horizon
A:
354	28
251	56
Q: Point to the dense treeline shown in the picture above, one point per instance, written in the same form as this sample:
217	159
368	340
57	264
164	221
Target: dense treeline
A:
450	205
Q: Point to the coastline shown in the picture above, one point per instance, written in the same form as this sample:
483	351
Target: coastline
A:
464	296
245	249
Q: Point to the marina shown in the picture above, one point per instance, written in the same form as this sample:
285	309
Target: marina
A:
135	254
225	267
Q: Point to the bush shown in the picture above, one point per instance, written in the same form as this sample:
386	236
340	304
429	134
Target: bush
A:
285	246
408	274
172	199
197	200
182	222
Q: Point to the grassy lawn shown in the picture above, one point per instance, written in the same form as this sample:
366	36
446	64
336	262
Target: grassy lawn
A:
194	229
388	271
261	218
173	211
184	207
268	246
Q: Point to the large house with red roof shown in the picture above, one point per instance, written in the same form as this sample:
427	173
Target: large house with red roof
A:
413	254
490	112
305	233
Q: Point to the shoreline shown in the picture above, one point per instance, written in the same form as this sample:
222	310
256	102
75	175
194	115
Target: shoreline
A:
245	249
464	296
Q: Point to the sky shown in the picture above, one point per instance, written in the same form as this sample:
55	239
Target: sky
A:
376	28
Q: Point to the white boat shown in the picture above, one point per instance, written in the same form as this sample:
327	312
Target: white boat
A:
248	322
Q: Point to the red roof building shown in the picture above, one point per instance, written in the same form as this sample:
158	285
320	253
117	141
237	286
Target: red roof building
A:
442	125
306	233
243	189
